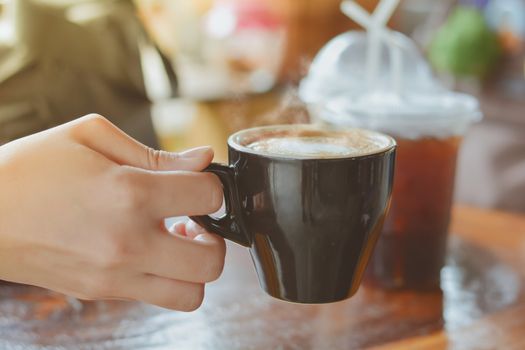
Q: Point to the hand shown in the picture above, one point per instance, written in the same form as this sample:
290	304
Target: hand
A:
82	208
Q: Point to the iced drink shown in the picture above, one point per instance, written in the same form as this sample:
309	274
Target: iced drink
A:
411	249
428	122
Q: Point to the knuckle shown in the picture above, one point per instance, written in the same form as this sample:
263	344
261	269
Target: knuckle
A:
114	253
95	120
155	158
130	196
88	124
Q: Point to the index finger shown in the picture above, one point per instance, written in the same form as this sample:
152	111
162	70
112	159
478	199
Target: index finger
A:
102	136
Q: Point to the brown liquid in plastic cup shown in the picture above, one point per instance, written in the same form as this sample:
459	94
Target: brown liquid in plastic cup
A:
411	249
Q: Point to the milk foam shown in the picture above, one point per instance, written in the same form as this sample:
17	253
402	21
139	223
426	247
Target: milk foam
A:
302	146
349	144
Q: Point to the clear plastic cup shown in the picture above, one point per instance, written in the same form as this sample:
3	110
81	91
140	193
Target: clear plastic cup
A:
428	123
411	250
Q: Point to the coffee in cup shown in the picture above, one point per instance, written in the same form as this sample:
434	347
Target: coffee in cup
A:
301	143
309	202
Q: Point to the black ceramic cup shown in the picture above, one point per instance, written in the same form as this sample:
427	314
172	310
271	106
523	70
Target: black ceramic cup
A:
310	223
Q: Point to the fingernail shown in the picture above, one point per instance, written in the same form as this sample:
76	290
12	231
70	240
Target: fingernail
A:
196	228
178	228
196	152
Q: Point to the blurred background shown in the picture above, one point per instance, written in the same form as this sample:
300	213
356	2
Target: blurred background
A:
179	73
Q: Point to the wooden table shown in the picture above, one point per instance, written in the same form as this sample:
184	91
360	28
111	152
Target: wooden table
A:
501	235
482	307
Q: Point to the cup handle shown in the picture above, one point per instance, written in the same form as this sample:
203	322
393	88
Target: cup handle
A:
228	226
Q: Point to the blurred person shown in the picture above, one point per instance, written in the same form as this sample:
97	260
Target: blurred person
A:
69	58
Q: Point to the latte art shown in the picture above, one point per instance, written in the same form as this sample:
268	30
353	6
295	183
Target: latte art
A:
304	146
316	144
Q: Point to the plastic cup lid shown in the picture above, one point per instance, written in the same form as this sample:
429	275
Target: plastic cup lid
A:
336	91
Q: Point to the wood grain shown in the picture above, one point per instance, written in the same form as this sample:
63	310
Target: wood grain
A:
503	234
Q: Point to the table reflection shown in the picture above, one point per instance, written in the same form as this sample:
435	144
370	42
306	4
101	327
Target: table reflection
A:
237	314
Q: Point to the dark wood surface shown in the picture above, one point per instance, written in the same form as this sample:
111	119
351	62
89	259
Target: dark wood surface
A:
482	307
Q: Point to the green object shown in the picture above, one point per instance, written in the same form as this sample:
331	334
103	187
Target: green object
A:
465	45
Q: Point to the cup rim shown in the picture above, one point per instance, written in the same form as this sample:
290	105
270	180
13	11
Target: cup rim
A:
236	145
